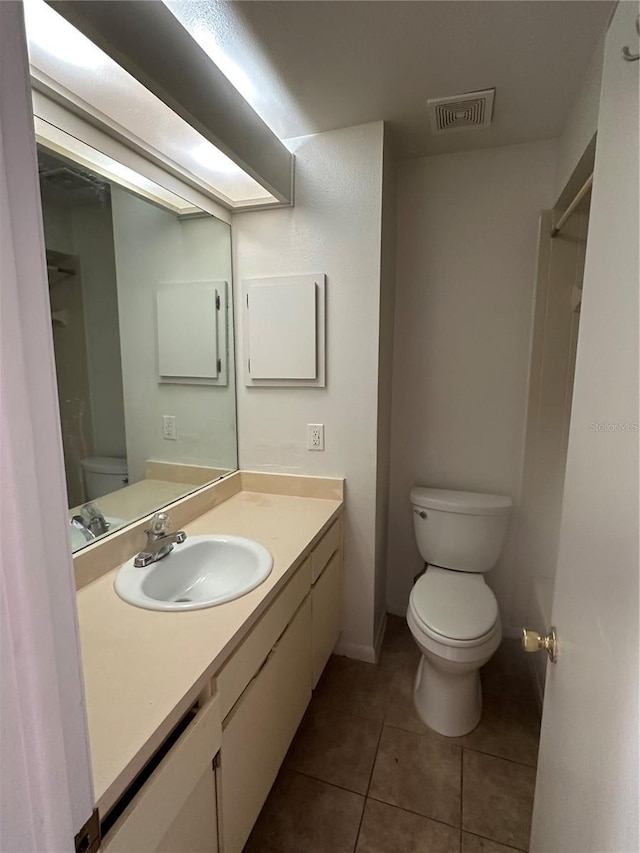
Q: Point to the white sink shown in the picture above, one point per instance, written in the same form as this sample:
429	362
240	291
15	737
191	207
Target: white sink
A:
78	541
201	572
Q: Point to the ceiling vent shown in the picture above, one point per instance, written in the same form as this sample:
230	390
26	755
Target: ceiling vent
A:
461	112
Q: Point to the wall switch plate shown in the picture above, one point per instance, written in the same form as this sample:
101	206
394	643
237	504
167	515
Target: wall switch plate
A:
169	427
315	436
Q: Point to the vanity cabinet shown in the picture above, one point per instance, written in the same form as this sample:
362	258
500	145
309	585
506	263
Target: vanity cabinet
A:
326	598
266	685
176	808
259	730
258	699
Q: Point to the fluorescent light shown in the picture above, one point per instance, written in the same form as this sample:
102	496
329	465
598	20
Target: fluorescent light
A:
212	158
53	33
68	146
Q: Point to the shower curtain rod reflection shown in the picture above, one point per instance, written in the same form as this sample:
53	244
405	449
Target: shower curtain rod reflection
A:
584	189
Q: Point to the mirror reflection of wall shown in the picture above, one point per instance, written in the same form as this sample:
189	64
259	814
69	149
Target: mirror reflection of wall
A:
133	438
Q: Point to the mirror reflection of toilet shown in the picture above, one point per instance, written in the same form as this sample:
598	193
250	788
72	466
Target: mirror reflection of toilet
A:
102	475
453	614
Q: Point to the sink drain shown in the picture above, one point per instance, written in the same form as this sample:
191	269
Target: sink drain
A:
183	600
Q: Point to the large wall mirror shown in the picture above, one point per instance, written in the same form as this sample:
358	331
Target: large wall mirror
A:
142	317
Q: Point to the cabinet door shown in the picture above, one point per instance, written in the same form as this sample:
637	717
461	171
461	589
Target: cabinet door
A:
175	810
326	610
260	728
195	829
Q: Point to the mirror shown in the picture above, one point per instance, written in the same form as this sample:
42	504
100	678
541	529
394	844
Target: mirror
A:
142	317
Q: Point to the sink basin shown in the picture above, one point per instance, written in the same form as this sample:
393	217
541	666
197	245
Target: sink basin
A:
202	572
78	541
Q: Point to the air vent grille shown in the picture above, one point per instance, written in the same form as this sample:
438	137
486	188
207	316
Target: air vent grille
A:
460	112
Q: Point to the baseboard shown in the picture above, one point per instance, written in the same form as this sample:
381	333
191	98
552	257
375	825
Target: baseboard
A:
397	610
356	651
368	654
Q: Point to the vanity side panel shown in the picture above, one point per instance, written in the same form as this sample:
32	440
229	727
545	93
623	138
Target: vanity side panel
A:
326	610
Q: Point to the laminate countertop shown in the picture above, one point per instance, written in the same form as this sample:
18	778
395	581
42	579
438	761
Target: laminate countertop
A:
143	669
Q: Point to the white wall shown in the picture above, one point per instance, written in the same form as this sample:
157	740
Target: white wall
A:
466	264
581	123
334	228
153	247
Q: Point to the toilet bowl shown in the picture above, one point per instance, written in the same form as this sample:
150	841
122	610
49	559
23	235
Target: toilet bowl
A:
453	614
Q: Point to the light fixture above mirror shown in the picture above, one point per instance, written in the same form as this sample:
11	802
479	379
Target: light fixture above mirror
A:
67	65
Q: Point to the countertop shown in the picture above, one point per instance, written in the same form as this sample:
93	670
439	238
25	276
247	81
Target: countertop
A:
138	499
143	669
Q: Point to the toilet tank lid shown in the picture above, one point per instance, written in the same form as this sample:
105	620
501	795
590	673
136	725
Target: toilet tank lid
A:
469	503
104	464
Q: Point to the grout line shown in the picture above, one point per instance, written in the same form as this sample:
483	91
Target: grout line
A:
501	758
417	814
375	758
493	840
428	733
373	767
324	782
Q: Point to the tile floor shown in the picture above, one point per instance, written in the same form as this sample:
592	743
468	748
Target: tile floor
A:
365	775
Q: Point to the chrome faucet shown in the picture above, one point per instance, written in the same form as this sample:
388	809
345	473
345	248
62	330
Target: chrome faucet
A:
159	541
93	519
77	521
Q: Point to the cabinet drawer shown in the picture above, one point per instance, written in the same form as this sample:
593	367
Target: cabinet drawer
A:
325	549
260	728
326	611
247	659
155	812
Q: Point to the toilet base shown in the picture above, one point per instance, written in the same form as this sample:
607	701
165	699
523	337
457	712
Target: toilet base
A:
449	702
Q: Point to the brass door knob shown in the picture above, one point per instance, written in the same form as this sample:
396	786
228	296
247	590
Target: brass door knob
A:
534	642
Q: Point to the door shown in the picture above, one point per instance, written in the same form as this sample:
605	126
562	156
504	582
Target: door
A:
587	785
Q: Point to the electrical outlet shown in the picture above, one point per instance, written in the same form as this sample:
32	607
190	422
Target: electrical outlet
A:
169	427
315	436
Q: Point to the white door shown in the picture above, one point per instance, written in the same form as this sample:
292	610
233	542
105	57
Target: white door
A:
45	776
587	786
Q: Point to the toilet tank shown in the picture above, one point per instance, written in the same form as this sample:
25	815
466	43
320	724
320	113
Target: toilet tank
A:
102	475
459	530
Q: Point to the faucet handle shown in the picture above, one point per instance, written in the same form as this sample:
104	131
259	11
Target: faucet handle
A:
160	524
94	519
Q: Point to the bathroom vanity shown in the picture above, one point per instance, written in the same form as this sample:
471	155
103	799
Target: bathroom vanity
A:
191	713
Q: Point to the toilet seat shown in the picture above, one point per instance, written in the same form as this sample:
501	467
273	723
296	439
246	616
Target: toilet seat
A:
454	608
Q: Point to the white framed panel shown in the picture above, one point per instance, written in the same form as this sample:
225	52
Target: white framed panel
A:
284	331
191	333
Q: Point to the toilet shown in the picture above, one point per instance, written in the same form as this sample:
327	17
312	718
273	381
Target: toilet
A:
453	614
102	475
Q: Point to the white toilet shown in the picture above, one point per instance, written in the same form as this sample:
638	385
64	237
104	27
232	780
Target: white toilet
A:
102	475
453	614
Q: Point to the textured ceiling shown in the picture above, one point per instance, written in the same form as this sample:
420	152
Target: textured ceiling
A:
315	65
